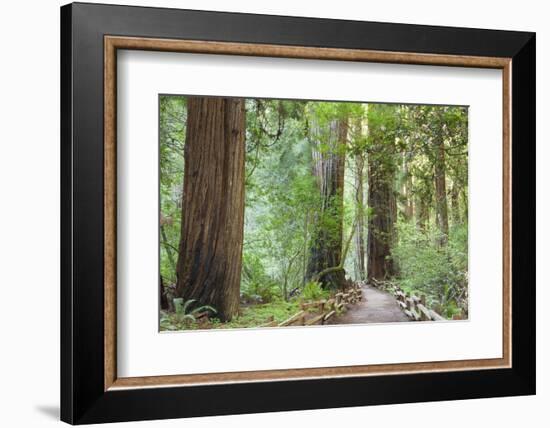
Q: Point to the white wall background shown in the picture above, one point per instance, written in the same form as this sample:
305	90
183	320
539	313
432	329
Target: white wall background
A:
29	214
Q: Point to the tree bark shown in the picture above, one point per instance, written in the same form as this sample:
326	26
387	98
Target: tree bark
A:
305	252
381	226
328	168
407	190
382	203
210	251
163	298
359	217
422	213
442	216
455	206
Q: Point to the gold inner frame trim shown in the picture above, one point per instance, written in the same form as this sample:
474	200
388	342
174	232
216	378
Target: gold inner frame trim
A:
113	43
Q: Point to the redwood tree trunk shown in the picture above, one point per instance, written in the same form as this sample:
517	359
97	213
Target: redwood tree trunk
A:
381	198
328	169
210	250
381	229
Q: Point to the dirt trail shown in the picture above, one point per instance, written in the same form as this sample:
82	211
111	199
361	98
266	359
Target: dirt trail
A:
376	307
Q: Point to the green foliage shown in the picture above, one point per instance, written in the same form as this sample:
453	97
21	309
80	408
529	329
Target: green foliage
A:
256	285
172	116
257	315
322	112
280	199
184	316
285	213
427	268
314	291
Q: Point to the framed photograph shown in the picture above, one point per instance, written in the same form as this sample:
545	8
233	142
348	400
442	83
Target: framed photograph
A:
265	213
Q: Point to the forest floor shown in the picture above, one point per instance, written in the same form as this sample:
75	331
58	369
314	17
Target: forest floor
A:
377	306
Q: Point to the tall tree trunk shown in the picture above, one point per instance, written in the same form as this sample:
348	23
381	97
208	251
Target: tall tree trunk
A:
407	190
422	213
305	250
210	251
163	298
455	206
442	216
381	228
381	201
359	217
328	168
464	198
168	248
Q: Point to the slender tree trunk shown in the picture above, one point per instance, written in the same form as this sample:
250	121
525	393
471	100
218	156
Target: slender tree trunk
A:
407	190
285	286
422	213
163	298
168	248
305	252
210	251
455	206
464	198
442	216
328	168
360	217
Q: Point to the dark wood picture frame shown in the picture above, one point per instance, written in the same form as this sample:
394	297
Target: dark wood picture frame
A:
90	37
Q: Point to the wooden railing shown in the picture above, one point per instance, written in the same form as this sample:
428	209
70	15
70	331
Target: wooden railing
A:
320	311
413	306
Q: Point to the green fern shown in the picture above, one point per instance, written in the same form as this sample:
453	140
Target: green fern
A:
186	314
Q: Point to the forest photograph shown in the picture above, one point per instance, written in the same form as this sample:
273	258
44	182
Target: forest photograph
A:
279	212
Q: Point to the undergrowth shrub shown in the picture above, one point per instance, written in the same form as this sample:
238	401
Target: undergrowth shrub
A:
439	272
314	291
256	285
